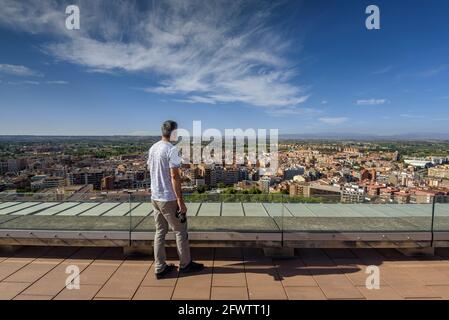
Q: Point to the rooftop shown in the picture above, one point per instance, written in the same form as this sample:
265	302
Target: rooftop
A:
231	273
233	239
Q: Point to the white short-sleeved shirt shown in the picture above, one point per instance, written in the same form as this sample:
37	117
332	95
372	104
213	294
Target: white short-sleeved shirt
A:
161	157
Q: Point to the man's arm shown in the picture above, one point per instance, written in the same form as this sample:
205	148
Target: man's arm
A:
176	182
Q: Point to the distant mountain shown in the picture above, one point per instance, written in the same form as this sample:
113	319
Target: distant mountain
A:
294	136
359	136
32	138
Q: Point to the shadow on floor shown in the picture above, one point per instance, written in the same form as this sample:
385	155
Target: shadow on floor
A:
229	261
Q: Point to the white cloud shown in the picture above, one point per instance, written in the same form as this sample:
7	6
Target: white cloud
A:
371	102
411	116
433	71
18	70
383	70
25	82
292	111
197	99
199	51
33	82
60	82
333	120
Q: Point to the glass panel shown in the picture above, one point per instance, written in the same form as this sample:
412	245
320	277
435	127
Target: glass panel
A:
218	217
329	214
97	219
140	217
16	209
116	217
441	222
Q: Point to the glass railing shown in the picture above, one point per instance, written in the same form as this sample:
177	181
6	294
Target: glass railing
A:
336	214
215	217
441	212
118	218
88	217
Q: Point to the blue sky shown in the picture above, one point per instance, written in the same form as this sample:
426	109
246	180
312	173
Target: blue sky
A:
299	66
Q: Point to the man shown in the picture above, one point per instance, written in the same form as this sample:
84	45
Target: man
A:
169	207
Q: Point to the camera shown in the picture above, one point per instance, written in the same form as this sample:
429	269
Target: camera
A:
181	216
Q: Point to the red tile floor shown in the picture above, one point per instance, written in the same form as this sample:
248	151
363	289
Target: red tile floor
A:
40	273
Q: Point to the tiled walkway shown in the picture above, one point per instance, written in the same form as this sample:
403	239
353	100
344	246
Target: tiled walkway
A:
39	273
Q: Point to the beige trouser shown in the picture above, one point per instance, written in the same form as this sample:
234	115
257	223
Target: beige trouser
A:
165	216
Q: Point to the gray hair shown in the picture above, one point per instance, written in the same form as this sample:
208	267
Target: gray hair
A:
168	127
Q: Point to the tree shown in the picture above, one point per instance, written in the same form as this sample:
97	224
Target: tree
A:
221	185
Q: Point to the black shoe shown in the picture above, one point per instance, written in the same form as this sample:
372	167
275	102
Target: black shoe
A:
168	268
192	267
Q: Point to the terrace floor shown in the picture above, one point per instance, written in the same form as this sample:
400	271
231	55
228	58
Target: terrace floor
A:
231	273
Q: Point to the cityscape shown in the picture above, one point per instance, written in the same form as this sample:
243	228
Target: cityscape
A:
339	171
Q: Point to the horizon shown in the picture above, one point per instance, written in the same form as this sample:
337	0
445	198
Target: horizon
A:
303	67
290	136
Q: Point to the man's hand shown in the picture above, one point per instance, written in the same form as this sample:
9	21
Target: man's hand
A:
176	181
182	206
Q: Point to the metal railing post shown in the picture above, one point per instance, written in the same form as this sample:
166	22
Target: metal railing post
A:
433	221
282	222
130	218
